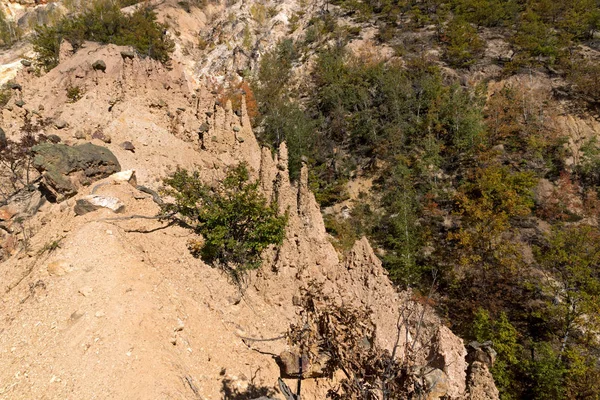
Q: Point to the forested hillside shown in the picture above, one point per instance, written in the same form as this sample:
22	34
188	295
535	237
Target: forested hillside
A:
473	189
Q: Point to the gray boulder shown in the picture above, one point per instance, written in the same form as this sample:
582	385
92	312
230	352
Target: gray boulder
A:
65	168
128	54
99	65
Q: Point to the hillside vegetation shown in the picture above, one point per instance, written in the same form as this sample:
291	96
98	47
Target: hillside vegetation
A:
103	22
476	194
456	197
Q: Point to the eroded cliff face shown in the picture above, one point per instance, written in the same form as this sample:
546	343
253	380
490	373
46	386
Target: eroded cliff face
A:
120	309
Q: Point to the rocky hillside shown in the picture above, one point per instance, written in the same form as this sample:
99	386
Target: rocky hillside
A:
437	163
100	300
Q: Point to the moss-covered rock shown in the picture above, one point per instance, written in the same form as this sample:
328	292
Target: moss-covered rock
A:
65	168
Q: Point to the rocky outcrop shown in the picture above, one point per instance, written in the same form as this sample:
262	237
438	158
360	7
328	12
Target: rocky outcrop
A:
65	168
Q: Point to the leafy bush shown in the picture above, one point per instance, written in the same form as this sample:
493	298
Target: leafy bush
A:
463	44
105	23
74	93
233	217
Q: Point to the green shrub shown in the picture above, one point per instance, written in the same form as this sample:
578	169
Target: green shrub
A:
104	22
463	44
536	41
233	217
74	93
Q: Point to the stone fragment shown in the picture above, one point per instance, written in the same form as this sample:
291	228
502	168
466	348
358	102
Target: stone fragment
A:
99	65
203	128
85	291
127	145
54	138
94	202
128	54
481	352
60	124
100	135
26	63
125	177
80	135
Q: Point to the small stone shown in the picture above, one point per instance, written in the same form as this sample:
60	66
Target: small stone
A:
41	107
86	291
99	314
60	124
94	202
54	138
240	139
19	103
101	136
80	135
237	129
173	340
26	63
127	145
238	113
125	177
180	326
209	114
99	65
203	128
128	54
16	86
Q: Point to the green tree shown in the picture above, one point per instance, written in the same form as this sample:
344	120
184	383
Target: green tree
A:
504	337
463	45
571	259
233	217
536	41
